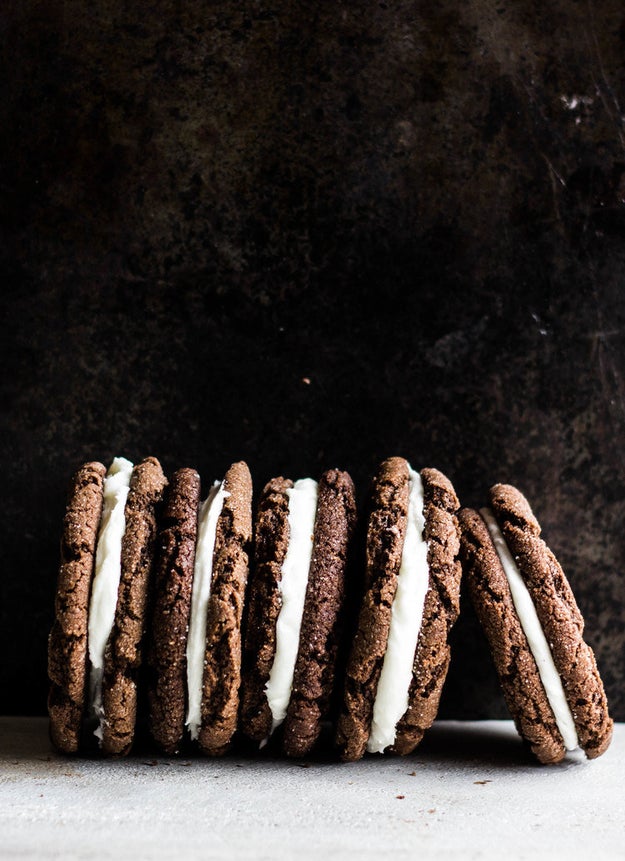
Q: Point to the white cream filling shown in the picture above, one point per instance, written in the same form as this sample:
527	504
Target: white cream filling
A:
391	698
292	587
202	578
526	611
108	569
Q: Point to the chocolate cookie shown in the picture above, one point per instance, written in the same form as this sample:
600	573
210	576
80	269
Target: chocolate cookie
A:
123	655
106	561
303	533
172	605
535	630
67	647
400	653
200	585
221	678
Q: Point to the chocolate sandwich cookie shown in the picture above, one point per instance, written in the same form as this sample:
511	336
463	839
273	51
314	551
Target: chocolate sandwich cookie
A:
302	540
535	629
95	643
201	575
400	653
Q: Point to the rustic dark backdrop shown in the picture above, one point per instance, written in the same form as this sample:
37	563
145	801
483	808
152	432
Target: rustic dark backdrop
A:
311	235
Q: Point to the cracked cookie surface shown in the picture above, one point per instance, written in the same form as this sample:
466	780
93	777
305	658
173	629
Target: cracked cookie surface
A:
67	645
315	664
123	655
173	581
222	661
559	617
384	546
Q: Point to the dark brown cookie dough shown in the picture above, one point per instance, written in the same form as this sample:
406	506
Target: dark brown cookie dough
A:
313	678
385	540
271	540
67	648
175	558
123	653
222	664
559	616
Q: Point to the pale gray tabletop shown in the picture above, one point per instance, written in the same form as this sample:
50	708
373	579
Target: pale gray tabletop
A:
469	791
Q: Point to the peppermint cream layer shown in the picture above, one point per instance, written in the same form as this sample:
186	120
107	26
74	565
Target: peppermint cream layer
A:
292	588
526	611
108	569
202	578
391	698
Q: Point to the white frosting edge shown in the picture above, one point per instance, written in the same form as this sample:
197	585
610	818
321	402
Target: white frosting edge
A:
209	513
391	698
292	587
528	617
105	586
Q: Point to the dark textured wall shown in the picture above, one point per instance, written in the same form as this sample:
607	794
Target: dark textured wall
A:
311	235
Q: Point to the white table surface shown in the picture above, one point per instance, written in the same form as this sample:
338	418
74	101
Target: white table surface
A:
470	791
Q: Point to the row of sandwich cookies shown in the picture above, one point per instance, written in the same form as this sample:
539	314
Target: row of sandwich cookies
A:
155	591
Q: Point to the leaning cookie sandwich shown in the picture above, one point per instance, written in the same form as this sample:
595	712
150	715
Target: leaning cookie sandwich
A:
535	630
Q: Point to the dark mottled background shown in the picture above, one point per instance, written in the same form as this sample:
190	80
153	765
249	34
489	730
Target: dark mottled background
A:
311	235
